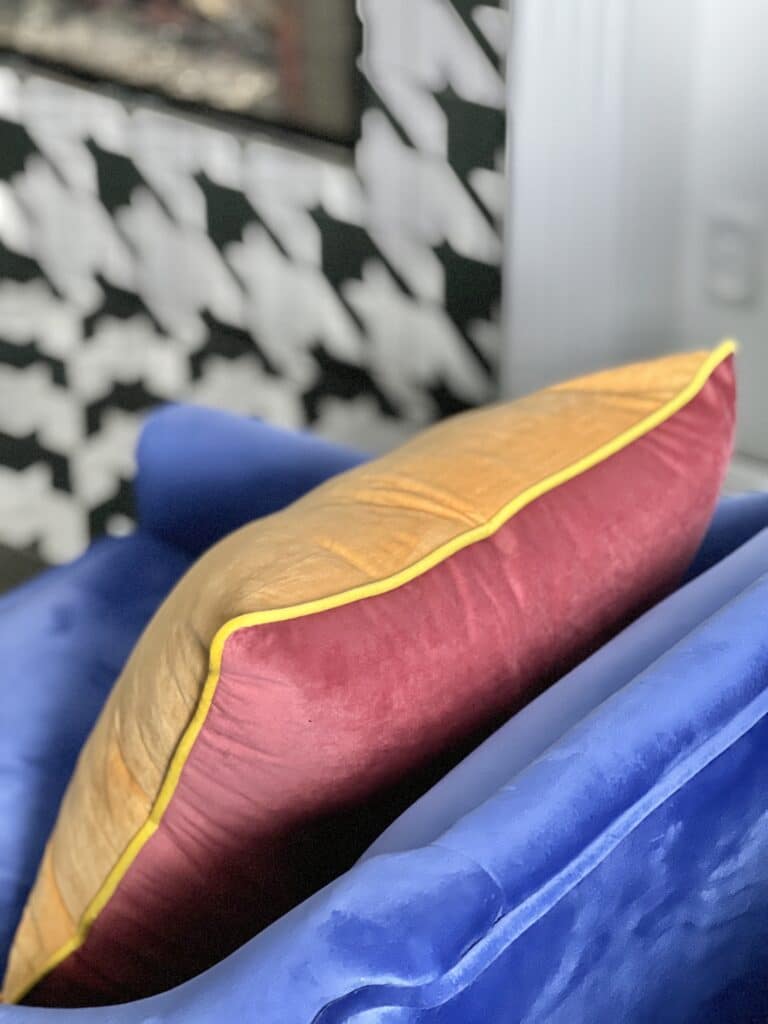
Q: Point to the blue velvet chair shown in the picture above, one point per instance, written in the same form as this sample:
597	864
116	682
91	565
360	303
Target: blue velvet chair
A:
602	858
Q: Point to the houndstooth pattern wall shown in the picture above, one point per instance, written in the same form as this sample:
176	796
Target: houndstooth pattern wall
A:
146	256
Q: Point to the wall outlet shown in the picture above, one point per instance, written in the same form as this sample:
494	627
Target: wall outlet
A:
734	257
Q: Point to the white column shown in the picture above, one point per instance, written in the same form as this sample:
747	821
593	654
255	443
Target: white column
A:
726	286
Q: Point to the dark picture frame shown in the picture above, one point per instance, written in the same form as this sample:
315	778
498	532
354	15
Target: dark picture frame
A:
284	63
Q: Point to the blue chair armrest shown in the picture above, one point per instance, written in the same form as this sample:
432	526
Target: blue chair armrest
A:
204	473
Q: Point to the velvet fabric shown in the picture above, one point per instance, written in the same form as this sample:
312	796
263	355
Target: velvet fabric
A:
621	876
63	640
542	723
203	473
324	726
738	518
65	636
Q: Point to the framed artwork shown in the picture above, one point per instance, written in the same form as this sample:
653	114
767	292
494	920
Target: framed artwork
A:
284	62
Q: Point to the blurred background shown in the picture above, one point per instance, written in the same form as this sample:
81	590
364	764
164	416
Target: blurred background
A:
357	218
286	208
638	193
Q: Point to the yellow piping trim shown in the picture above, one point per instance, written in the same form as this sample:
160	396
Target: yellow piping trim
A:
377	587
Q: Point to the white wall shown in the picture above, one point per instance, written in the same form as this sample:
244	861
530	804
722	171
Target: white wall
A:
659	83
602	117
639	191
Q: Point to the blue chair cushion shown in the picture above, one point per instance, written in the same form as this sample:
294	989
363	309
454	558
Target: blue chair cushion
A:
737	518
203	473
64	638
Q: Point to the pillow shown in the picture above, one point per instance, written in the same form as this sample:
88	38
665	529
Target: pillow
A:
318	670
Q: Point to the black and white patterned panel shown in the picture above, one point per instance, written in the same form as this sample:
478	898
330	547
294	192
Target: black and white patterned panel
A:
148	257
